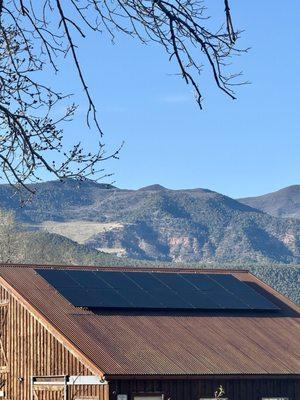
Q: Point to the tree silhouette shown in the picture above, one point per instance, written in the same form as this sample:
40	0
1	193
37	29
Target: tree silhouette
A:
37	36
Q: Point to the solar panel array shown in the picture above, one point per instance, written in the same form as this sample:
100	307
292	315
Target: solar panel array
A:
154	290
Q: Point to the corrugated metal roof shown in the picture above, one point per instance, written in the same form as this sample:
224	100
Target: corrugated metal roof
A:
171	343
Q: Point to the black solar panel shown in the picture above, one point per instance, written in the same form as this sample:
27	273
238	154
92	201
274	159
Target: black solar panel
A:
88	280
149	290
215	292
243	292
106	298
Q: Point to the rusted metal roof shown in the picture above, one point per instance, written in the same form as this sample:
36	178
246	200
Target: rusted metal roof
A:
170	343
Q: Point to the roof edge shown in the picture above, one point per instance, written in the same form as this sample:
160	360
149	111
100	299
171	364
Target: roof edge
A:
56	332
204	376
127	268
276	293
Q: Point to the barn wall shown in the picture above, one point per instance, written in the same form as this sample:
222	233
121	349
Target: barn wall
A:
32	350
235	389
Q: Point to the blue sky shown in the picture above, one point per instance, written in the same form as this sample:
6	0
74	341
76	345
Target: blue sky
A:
240	148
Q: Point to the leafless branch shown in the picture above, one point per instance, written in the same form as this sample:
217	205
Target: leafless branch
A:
36	36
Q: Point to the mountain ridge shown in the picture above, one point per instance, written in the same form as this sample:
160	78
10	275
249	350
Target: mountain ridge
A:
283	203
188	225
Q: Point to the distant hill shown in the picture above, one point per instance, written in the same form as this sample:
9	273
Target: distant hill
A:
283	203
41	247
47	248
155	223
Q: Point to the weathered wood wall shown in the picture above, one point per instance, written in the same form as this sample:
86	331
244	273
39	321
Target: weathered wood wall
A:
194	389
33	351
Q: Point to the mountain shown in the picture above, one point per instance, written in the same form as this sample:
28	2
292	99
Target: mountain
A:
47	248
283	203
156	223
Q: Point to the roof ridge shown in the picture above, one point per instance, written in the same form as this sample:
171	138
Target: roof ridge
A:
126	268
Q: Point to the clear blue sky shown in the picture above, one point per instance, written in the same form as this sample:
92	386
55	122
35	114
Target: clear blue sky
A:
240	148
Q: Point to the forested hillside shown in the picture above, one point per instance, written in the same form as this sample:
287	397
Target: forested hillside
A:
283	203
46	248
155	223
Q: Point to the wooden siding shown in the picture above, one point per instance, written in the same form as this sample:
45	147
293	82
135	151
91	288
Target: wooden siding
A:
33	351
194	389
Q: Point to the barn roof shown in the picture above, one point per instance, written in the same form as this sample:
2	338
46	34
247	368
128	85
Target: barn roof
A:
172	343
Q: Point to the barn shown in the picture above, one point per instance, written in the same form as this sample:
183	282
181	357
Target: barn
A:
87	333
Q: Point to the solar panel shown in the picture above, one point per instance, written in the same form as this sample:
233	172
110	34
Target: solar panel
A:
88	279
74	295
106	298
185	290
154	290
145	280
243	291
215	292
116	280
58	278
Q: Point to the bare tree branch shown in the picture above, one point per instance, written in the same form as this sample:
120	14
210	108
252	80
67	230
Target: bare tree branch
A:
36	36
